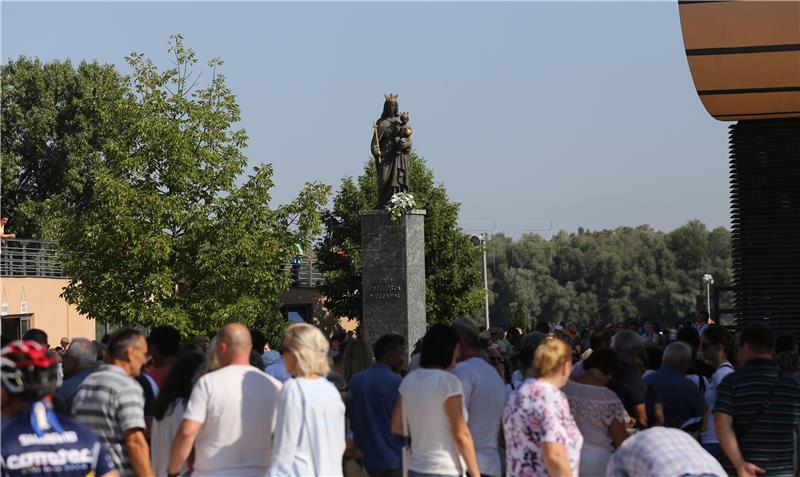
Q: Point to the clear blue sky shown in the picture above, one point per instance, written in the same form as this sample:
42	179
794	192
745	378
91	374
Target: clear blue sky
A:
531	114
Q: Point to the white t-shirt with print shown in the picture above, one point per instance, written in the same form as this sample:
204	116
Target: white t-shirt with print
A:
433	449
236	405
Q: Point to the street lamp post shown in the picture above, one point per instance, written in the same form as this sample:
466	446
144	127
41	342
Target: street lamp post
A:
708	280
481	240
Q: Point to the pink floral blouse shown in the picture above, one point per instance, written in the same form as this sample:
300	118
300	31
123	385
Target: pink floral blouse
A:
538	412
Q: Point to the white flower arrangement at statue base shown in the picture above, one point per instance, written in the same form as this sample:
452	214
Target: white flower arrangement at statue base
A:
399	204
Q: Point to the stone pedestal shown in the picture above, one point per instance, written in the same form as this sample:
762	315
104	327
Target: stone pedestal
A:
393	282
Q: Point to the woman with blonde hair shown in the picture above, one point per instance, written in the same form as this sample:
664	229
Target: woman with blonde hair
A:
542	438
212	360
309	427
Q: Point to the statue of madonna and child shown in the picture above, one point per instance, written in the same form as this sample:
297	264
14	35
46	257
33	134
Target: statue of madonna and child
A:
391	147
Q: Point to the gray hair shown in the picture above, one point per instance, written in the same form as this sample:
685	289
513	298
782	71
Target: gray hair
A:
83	351
626	344
122	340
678	355
467	332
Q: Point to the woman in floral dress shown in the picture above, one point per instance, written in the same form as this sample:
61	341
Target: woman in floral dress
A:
541	436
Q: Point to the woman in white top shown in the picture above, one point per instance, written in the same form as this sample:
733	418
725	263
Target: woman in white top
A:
309	428
169	407
715	346
598	412
431	403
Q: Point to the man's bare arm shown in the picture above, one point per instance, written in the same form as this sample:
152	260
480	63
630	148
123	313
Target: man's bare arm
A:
723	423
138	452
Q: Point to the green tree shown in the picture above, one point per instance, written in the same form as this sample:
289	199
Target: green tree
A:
53	130
606	276
168	237
453	278
698	252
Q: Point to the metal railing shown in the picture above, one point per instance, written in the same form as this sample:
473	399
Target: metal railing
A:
37	258
305	274
29	258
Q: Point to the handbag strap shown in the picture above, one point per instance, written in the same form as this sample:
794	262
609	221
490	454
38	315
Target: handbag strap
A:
765	404
406	452
305	427
405	419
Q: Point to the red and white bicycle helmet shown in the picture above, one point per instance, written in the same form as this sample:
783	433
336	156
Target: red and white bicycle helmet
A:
29	370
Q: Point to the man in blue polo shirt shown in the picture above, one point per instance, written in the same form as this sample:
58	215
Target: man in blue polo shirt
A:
373	394
672	399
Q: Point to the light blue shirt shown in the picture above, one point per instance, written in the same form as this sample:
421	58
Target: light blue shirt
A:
278	371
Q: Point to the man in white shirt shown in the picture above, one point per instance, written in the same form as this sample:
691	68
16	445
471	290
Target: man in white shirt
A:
484	398
230	415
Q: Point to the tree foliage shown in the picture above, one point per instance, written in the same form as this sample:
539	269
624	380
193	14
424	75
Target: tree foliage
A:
167	235
53	129
606	276
452	273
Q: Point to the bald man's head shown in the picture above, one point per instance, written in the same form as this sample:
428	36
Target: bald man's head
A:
234	344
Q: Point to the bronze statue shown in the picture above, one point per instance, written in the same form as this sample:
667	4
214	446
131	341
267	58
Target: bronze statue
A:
391	145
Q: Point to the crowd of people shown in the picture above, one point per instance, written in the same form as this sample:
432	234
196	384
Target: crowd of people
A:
622	400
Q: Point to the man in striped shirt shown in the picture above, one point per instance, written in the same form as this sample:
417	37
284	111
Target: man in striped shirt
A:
111	404
757	410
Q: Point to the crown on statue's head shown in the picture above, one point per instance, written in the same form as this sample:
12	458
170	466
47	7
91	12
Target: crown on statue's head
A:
392	98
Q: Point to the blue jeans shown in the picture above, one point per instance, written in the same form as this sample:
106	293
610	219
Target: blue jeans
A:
714	449
412	473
